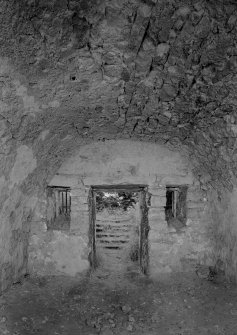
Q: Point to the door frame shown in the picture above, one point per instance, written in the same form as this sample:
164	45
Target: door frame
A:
143	226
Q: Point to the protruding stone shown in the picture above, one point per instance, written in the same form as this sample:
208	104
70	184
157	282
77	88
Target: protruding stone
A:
144	11
172	36
162	50
232	21
157	201
148	45
168	92
183	11
179	24
153	79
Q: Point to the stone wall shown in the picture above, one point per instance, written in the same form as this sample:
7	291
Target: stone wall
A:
15	216
125	162
223	214
82	71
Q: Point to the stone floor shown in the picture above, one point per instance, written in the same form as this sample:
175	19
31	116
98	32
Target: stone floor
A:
176	304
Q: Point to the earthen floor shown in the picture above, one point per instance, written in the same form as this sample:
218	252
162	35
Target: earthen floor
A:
176	304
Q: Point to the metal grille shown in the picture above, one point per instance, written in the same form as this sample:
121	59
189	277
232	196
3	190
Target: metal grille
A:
60	199
64	201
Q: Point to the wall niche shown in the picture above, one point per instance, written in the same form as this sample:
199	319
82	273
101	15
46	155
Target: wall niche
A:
58	208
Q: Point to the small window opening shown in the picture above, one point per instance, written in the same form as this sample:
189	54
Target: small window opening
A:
58	208
175	209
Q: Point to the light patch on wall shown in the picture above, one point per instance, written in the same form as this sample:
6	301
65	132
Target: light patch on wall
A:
69	254
54	104
44	134
5	66
30	105
2	182
67	138
25	163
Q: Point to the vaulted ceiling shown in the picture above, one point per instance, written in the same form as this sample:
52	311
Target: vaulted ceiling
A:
154	70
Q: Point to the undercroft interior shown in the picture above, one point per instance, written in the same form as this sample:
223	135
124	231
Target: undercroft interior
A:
118	169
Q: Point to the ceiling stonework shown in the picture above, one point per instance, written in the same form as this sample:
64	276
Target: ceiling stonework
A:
162	71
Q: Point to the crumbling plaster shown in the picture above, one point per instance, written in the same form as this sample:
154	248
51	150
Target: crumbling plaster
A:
76	71
125	162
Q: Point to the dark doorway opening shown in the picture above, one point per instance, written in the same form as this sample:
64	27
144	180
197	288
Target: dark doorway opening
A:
176	203
176	209
119	228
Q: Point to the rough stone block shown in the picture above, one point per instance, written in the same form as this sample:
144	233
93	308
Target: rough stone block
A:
38	227
144	10
74	193
162	50
74	200
194	195
79	207
194	213
182	179
156	213
158	191
83	201
154	221
191	204
80	221
158	228
158	201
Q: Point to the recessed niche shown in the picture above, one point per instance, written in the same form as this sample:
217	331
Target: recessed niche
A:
58	208
176	209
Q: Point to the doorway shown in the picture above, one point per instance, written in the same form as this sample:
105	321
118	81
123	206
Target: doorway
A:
119	228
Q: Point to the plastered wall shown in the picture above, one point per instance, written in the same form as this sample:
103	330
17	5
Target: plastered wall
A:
223	214
115	163
15	216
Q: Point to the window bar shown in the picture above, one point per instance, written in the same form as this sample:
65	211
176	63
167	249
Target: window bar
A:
57	202
174	203
70	202
66	194
62	202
